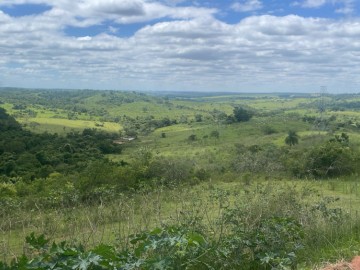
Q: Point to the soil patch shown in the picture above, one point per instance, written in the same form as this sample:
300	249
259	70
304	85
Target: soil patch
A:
353	265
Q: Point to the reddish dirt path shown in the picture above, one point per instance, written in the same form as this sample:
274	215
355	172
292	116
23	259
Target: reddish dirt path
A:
353	265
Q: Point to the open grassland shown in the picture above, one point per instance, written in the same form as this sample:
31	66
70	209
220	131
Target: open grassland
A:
60	126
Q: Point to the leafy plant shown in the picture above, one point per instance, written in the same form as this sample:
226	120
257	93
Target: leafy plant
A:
167	248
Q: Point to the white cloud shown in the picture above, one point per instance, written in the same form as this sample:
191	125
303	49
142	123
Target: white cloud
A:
247	5
86	38
113	30
313	3
122	8
4	17
193	52
121	11
346	6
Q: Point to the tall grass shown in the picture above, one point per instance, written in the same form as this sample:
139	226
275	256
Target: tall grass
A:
327	211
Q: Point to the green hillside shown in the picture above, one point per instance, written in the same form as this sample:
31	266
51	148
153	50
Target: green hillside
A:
229	181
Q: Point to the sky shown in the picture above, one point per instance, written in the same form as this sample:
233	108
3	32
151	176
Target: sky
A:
181	45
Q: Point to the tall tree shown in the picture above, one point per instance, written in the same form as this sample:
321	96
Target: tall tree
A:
292	138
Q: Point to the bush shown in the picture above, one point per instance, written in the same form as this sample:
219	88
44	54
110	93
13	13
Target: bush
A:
215	134
330	159
192	138
256	159
170	170
268	130
273	244
242	115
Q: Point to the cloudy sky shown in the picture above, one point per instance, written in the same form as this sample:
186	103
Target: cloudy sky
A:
210	45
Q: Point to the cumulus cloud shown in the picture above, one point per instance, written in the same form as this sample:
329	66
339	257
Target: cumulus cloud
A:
4	17
123	11
121	8
247	5
186	53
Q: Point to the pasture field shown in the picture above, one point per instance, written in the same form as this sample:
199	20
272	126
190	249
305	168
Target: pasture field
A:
184	160
62	126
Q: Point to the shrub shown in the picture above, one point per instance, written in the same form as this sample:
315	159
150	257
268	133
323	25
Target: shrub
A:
268	130
242	115
192	138
330	159
215	134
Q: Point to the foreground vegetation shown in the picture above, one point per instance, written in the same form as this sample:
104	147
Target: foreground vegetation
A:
218	181
222	226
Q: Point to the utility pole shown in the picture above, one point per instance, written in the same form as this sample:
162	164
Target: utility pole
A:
322	107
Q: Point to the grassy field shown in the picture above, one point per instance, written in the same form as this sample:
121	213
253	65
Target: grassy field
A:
62	126
116	220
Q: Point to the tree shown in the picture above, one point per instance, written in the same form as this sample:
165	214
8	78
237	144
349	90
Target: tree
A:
292	138
241	114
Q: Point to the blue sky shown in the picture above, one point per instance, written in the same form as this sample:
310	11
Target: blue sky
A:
240	45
